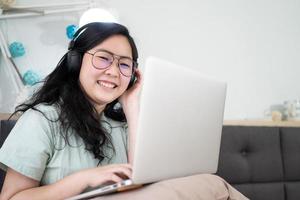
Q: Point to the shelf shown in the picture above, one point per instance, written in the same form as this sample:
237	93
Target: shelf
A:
269	123
50	5
45	9
5	116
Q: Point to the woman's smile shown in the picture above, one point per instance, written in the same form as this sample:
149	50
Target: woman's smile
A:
107	84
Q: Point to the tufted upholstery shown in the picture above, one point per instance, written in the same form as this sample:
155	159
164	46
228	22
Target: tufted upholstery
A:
261	162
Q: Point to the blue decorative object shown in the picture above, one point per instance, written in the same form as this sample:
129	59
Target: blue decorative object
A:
31	78
71	29
16	49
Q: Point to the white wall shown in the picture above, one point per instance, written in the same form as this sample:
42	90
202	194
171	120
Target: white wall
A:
253	45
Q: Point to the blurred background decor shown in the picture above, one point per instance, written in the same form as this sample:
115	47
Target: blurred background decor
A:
252	45
33	39
6	4
70	31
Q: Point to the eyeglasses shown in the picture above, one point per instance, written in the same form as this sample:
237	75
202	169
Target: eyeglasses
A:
103	59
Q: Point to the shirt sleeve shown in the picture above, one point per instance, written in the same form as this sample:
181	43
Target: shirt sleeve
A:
29	145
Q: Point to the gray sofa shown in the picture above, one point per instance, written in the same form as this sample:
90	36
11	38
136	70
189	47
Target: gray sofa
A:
261	162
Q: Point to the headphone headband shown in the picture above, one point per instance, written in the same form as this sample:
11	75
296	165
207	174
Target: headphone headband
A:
78	33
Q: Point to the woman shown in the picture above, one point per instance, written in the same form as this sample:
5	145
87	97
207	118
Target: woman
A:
73	131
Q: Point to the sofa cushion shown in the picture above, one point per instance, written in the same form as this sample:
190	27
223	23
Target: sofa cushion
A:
262	191
250	155
5	128
291	153
292	190
250	159
291	161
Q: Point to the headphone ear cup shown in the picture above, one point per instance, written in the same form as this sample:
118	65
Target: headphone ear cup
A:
74	60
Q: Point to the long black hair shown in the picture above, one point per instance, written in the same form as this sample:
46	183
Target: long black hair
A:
61	88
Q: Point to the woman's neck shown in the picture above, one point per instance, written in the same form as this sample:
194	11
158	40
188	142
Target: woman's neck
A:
99	108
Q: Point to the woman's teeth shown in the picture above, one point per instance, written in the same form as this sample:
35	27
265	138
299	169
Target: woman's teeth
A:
107	85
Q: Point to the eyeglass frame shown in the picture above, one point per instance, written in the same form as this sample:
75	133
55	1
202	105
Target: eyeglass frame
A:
117	57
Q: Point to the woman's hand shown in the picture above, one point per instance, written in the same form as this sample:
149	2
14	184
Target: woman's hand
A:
130	98
105	174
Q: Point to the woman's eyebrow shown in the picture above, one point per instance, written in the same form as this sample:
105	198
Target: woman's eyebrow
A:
113	53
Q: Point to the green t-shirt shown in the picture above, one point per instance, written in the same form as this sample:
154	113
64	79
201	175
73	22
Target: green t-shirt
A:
36	149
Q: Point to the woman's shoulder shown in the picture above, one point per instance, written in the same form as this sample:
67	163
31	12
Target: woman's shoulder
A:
49	112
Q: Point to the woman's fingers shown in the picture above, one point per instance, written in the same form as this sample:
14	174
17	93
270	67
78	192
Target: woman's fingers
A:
124	169
115	178
139	77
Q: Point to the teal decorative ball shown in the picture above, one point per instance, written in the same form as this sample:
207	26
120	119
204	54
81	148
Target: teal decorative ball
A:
16	49
70	31
31	78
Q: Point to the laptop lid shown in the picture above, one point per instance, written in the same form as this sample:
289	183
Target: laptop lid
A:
180	125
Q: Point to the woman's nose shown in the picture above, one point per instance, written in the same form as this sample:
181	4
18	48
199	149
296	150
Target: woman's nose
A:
113	69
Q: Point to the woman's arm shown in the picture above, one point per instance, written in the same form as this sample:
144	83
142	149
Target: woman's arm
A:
17	186
130	104
132	121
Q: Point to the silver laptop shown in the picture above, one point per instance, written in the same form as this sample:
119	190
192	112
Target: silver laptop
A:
180	125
